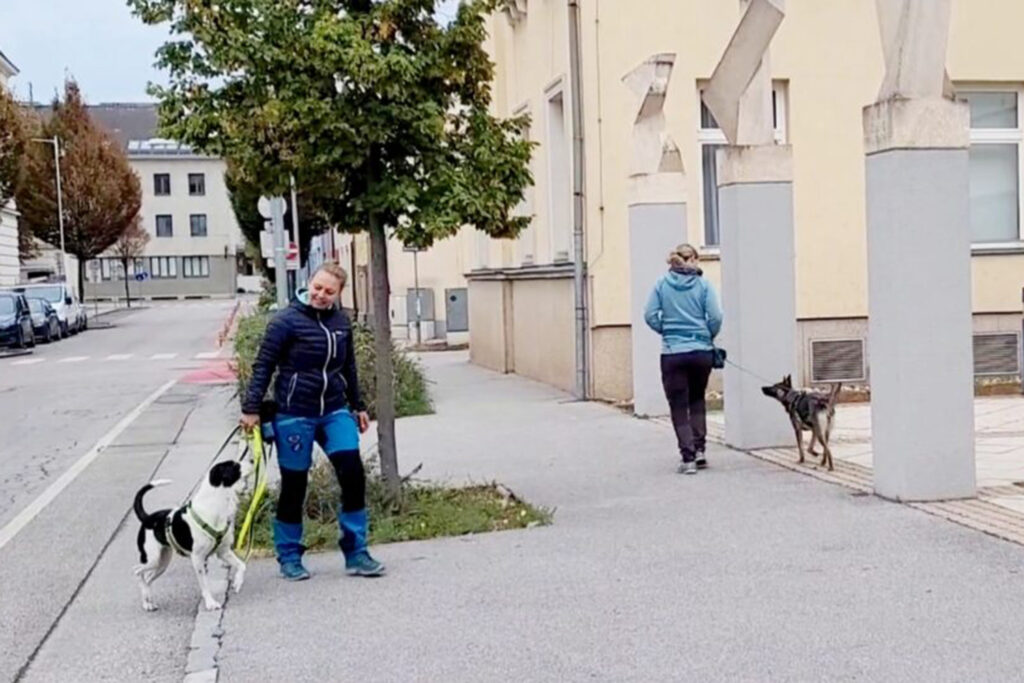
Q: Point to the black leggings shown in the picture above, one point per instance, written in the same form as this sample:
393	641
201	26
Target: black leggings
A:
348	467
685	379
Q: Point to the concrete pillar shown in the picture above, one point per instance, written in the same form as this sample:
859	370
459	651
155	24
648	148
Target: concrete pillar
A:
919	290
657	223
758	289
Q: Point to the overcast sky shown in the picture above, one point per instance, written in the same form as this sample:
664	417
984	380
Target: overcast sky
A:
98	42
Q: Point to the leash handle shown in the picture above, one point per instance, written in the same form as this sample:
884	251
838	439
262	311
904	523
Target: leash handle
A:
260	470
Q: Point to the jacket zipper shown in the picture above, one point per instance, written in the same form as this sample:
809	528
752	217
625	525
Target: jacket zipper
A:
291	390
327	360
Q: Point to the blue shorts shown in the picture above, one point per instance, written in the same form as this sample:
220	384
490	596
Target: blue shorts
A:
337	431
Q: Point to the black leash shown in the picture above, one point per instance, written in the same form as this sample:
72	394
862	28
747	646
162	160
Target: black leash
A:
752	374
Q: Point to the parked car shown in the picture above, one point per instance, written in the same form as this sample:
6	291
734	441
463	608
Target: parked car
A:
45	322
70	311
15	321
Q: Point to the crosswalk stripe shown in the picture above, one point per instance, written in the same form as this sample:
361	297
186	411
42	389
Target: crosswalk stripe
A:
73	359
163	356
28	361
119	356
207	355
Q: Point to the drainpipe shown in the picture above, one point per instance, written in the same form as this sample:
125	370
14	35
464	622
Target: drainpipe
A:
579	253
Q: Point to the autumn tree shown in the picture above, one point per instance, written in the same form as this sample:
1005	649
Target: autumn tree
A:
373	99
128	247
100	191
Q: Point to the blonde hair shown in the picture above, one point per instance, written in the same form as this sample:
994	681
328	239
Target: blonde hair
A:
334	270
678	257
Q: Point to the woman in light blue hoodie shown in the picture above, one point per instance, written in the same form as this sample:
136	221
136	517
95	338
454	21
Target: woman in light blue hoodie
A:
684	310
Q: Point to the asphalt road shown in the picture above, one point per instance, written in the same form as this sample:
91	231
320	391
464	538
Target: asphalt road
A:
62	563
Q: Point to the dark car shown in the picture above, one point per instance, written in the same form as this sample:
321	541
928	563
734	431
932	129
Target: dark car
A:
15	321
45	322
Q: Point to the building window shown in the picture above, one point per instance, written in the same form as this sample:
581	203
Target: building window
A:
994	161
162	184
711	139
560	180
196	184
526	244
163	267
164	226
197	221
195	266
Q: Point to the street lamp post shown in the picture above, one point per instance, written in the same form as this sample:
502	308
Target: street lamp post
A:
55	141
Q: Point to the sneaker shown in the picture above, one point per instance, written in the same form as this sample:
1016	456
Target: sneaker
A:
702	461
294	571
363	565
687	468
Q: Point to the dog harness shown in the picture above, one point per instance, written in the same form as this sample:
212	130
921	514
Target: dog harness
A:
217	536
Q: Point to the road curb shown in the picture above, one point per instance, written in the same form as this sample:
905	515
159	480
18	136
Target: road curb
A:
207	633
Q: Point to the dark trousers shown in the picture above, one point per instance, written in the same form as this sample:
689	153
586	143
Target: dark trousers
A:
685	378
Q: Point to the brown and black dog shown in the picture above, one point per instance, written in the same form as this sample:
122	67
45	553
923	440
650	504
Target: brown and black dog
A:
807	410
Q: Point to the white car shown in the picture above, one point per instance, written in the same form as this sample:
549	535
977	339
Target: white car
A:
70	312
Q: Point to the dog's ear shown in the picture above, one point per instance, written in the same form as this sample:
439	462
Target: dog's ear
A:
225	474
787	381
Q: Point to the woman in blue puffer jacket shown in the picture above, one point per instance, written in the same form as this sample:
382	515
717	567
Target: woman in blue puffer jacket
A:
309	345
684	310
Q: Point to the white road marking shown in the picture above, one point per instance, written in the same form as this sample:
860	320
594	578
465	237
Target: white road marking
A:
15	526
28	361
207	355
119	356
163	356
73	359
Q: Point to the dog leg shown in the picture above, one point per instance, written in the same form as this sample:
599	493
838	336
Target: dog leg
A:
799	442
199	565
158	556
821	426
236	573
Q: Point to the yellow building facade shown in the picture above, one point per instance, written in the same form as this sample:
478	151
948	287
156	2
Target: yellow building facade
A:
826	63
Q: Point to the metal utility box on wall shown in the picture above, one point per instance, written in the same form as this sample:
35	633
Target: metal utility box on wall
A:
457	309
426	305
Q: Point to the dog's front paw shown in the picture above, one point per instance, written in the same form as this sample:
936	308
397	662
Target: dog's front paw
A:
149	605
212	605
237	581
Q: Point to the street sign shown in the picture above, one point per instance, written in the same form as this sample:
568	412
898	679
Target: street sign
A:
263	205
267	250
139	277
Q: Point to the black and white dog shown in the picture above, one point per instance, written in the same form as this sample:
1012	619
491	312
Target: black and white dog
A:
807	410
202	527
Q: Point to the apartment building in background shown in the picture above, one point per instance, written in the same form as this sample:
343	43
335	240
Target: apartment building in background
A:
9	262
195	242
826	63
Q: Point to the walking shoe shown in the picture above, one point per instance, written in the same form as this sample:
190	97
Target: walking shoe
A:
702	461
361	564
687	468
294	571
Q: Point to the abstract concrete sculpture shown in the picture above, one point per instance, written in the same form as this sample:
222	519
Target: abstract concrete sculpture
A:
739	94
914	37
657	220
916	140
653	150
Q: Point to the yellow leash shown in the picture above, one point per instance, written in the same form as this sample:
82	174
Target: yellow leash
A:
245	536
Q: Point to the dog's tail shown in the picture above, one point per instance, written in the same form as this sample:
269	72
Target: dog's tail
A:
140	511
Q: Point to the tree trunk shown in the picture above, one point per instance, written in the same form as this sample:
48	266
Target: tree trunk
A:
385	365
81	276
127	291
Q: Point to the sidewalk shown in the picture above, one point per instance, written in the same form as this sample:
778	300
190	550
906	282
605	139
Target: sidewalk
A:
746	572
999	449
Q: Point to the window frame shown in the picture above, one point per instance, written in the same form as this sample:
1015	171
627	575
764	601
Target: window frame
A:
1001	136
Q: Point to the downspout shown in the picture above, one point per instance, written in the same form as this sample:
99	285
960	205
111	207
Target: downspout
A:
579	252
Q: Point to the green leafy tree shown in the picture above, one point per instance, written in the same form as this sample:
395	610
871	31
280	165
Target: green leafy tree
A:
371	103
13	136
100	191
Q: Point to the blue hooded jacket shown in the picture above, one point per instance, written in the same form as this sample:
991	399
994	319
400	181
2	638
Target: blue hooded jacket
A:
684	310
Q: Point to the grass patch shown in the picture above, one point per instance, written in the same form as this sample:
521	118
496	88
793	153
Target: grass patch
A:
427	511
